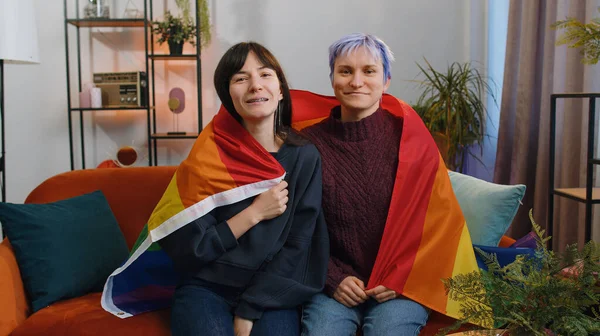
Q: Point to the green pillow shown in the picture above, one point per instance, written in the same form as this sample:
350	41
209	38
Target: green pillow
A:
488	208
64	249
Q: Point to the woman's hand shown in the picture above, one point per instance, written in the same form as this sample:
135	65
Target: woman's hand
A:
241	326
271	203
267	205
381	294
350	292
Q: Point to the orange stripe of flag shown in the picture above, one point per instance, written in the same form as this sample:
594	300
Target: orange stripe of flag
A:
404	227
203	162
439	246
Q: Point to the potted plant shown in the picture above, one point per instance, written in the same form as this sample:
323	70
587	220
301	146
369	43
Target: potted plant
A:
177	30
577	34
452	107
549	294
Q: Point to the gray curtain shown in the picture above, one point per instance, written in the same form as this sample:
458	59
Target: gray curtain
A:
534	69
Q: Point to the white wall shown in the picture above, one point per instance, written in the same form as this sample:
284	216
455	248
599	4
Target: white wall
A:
297	32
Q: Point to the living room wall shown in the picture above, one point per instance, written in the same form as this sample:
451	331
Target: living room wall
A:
298	33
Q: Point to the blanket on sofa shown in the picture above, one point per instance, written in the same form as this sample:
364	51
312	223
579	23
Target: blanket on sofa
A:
425	239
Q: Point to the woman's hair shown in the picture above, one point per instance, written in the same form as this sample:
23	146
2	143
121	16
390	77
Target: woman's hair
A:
372	44
232	61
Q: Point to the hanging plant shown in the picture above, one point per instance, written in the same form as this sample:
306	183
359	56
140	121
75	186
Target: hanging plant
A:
205	27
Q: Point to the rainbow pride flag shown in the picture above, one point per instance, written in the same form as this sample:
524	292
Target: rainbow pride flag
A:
225	166
425	238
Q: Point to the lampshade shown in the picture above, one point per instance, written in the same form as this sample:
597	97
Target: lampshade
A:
18	32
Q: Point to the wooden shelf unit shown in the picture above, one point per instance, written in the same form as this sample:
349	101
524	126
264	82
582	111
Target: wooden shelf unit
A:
589	195
149	67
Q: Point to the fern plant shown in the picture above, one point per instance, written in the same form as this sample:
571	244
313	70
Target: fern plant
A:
546	294
453	108
578	34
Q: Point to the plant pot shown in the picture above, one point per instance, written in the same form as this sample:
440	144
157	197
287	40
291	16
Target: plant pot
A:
443	145
175	48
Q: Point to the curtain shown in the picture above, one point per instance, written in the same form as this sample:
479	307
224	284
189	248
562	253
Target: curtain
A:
534	69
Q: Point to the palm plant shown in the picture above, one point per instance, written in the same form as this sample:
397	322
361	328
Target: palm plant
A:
453	108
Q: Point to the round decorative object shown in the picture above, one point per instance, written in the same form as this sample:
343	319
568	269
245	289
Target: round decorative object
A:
174	104
176	100
127	156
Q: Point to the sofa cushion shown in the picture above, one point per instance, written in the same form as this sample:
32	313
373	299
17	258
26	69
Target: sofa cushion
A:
504	255
123	190
85	316
64	249
488	208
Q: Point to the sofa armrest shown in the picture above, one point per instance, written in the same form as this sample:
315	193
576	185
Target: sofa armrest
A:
13	303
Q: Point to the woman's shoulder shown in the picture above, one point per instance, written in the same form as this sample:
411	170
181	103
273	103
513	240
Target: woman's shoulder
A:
306	154
308	150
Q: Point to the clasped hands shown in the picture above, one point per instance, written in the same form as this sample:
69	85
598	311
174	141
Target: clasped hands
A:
351	292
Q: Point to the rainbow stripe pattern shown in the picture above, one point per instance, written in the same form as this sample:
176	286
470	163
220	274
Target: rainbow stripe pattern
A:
225	166
425	238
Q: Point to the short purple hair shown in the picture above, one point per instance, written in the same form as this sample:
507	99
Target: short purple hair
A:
374	46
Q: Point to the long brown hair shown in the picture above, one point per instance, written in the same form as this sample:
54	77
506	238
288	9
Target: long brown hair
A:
232	61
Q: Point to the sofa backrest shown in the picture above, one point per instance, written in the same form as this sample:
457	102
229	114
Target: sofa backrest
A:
131	192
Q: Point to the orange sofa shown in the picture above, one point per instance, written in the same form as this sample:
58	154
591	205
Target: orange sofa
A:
132	194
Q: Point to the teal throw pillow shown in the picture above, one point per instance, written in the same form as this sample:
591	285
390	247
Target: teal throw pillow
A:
64	249
488	208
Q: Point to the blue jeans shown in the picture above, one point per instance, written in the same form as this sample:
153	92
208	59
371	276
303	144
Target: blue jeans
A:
323	315
208	310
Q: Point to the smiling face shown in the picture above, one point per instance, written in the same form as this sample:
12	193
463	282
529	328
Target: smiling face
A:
358	84
255	91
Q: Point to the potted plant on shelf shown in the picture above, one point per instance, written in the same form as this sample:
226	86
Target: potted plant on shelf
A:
578	34
177	30
549	294
452	107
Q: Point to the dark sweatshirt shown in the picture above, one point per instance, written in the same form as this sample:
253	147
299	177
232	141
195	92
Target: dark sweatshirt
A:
360	160
279	263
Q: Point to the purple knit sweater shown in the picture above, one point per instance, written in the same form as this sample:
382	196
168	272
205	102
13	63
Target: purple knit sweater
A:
360	160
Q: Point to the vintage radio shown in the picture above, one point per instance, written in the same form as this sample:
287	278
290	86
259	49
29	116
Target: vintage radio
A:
122	89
